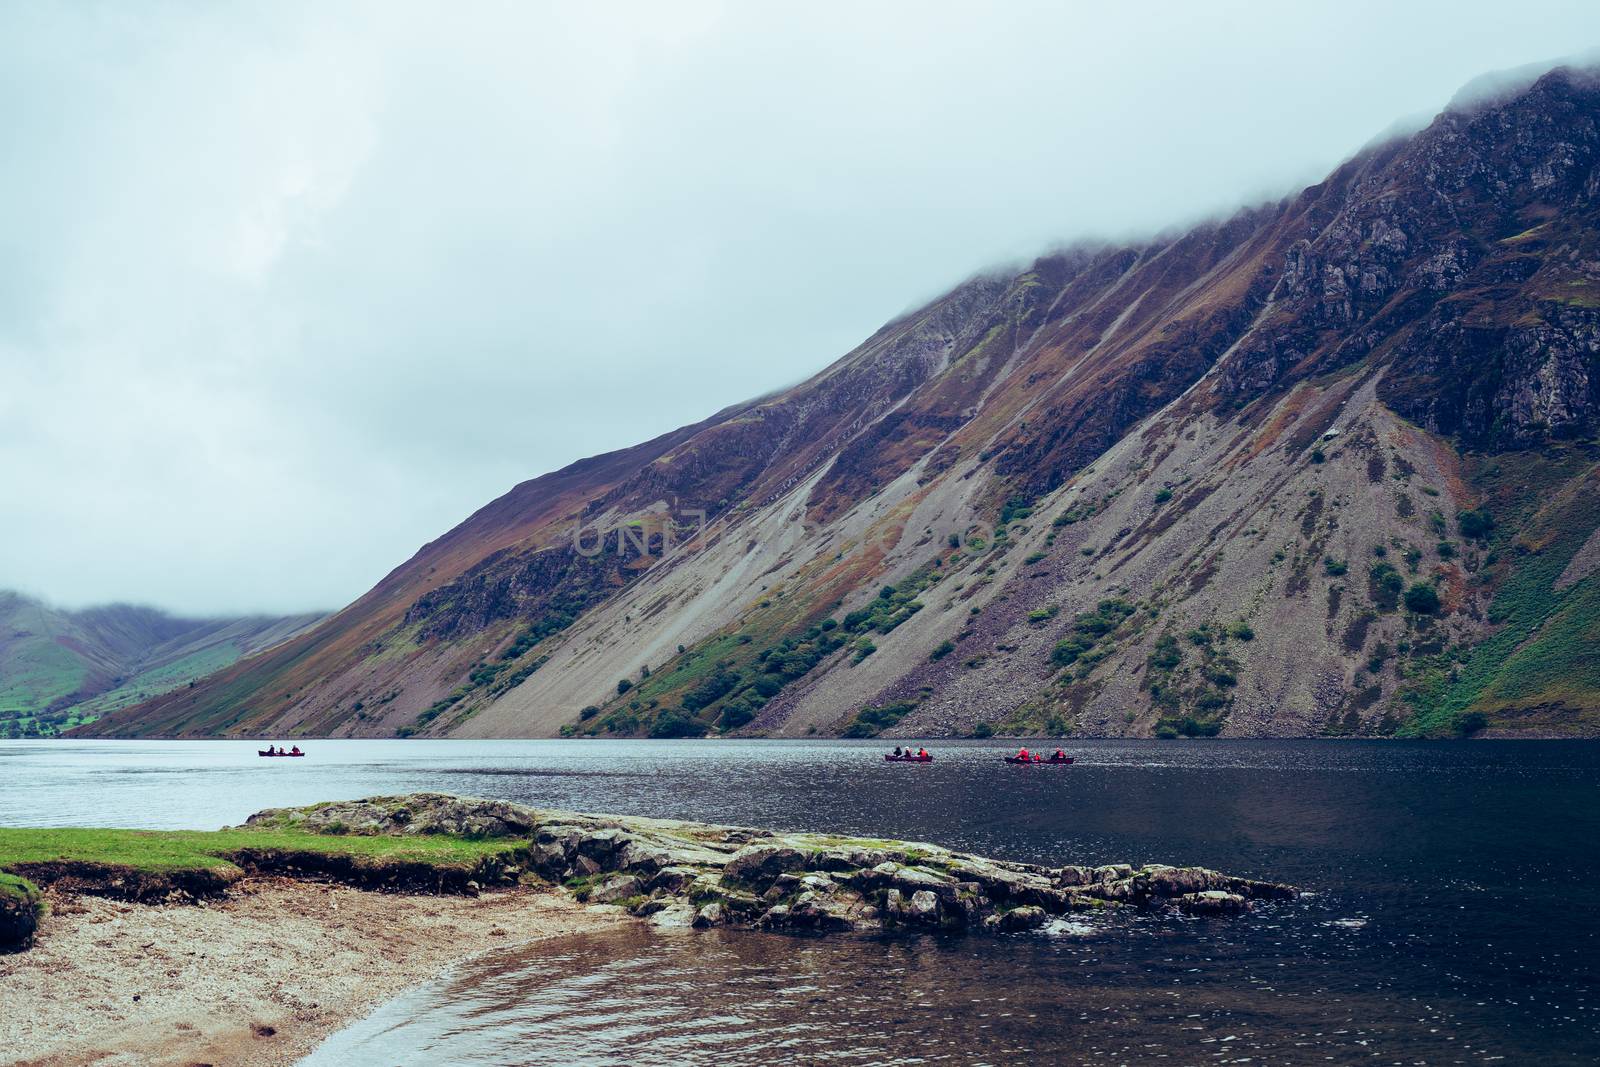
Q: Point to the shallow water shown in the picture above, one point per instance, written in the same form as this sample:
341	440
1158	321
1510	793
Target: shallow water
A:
1451	922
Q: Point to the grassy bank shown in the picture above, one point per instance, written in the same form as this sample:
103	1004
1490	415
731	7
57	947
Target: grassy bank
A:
141	864
21	908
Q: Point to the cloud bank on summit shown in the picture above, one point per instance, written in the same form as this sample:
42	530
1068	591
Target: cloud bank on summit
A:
286	292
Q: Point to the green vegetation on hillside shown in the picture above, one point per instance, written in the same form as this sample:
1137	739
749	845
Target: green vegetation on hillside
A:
1193	698
14	722
872	721
62	669
1087	643
1542	655
491	677
723	683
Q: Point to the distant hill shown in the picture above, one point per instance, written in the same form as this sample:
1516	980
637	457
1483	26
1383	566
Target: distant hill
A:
60	669
1327	466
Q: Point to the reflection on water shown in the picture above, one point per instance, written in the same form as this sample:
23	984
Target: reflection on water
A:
1451	921
1126	994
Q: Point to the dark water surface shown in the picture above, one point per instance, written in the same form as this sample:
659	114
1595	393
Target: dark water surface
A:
1453	918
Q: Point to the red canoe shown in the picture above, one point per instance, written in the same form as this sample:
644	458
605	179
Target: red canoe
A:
1041	762
908	759
275	754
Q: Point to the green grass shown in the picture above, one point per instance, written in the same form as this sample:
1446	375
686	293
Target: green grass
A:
161	680
722	683
169	851
17	890
1089	630
51	674
872	721
1542	653
38	674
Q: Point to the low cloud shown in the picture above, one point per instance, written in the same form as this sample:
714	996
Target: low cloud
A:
288	290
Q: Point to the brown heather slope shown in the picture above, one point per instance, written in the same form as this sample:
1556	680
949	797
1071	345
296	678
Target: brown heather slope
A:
1318	468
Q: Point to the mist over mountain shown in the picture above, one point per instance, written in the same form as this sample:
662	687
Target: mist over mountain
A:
63	668
291	295
1321	467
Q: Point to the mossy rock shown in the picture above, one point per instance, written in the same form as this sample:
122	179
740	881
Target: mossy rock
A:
21	907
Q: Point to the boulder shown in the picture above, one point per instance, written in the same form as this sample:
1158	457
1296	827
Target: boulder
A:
650	905
760	864
603	845
1212	902
823	911
924	906
709	915
917	879
677	915
1249	887
550	860
1158	880
1053	900
782	886
673	879
847	858
999	882
1073	875
642	857
1027	917
617	888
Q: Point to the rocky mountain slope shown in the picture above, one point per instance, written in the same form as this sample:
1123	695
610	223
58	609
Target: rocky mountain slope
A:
59	669
1322	467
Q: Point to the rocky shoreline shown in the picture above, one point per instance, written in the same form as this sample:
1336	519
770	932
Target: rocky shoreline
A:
677	873
267	938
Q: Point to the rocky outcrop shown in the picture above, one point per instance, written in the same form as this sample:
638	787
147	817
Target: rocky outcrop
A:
424	813
696	874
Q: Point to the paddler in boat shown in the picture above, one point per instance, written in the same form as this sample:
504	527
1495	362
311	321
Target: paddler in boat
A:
1022	754
897	753
1059	757
295	751
922	753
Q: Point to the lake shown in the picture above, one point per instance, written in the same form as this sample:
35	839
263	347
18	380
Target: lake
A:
1451	918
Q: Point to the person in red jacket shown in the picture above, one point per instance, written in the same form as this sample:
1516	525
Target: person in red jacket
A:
1022	754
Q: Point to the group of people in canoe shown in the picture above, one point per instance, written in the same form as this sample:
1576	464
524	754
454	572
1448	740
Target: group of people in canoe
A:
280	751
906	755
1024	756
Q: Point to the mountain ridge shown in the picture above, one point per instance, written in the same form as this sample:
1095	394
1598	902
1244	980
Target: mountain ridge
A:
60	668
1299	423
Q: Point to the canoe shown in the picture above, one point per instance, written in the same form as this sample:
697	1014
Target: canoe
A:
908	759
1040	762
276	754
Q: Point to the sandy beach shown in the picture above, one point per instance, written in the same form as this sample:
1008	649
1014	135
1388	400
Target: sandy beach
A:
254	980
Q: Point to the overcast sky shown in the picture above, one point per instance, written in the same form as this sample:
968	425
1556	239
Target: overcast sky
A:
288	290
